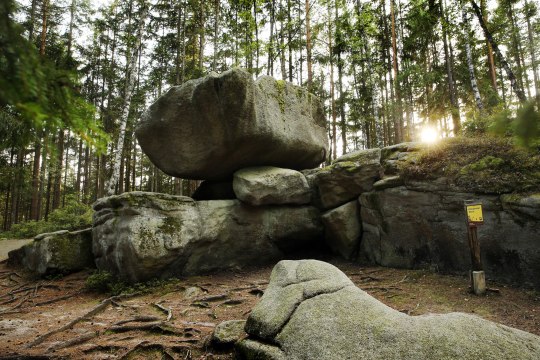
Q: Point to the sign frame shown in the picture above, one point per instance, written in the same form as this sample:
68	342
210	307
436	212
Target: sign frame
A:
474	212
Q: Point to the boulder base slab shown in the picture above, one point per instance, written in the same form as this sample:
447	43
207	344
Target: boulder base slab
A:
140	236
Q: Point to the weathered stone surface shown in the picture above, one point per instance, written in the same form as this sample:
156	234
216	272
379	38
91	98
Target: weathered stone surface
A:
348	177
311	310
140	235
210	127
421	224
60	252
214	190
268	185
343	229
227	333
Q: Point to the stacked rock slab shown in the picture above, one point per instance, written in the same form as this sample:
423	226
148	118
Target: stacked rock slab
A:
209	128
311	310
140	236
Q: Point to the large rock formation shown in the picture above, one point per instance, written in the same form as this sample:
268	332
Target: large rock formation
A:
311	310
423	224
140	235
60	252
210	127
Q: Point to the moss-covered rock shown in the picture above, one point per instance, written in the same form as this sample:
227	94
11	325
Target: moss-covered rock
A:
61	252
227	333
139	236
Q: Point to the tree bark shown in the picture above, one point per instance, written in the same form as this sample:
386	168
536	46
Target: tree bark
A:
532	49
470	66
399	116
491	60
308	47
332	87
509	73
128	89
454	107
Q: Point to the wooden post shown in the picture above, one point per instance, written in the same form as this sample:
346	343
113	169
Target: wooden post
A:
475	218
474	245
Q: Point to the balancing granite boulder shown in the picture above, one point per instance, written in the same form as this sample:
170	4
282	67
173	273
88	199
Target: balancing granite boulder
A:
210	127
311	310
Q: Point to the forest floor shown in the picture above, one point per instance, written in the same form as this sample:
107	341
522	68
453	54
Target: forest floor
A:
58	318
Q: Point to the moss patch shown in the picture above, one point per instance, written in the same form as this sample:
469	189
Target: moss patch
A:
481	164
280	87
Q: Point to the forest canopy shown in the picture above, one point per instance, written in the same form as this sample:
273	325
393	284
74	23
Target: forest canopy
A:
75	76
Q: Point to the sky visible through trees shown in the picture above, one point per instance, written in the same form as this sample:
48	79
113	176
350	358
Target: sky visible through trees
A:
76	76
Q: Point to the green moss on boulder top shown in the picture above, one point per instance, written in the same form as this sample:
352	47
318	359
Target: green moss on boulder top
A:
482	165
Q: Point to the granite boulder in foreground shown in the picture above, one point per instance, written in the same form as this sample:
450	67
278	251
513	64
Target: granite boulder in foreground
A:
311	310
210	127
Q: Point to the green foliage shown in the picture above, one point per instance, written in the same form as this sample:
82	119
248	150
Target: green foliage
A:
525	127
73	216
38	93
478	164
104	282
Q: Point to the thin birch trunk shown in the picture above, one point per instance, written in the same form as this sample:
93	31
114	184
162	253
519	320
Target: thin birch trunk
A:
129	86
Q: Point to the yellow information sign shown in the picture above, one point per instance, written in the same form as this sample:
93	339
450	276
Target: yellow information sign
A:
474	213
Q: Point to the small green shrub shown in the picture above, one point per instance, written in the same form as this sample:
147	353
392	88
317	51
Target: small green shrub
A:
73	216
105	282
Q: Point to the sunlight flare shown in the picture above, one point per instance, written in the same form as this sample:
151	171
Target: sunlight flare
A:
429	135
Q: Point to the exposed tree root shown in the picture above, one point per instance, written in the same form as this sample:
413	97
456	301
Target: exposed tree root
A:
167	311
74	341
147	346
51	301
96	310
137	319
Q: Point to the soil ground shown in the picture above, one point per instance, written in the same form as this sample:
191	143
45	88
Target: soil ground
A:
30	308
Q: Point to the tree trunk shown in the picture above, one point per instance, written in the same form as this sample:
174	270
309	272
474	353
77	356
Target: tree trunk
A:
282	45
201	36
257	45
128	89
470	66
178	47
509	73
532	49
491	60
216	27
308	47
57	188
270	68
454	107
289	40
32	20
399	116
332	88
